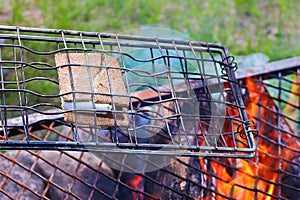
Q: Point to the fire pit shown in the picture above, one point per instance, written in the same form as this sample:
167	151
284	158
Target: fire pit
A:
271	98
187	128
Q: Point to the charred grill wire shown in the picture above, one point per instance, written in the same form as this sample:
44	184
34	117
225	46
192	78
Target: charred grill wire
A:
180	104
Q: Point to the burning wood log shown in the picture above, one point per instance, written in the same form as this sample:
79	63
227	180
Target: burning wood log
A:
236	177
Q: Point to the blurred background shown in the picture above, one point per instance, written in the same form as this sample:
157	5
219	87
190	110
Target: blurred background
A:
270	27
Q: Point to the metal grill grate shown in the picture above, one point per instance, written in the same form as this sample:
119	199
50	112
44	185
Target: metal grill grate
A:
160	96
272	174
271	98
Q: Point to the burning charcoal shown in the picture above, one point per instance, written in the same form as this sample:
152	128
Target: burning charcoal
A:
181	179
67	181
167	183
22	175
293	180
124	166
194	178
135	182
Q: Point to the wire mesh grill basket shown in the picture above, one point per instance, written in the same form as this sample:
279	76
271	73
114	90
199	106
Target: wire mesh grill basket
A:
120	94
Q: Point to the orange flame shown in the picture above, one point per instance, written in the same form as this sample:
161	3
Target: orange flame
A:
256	177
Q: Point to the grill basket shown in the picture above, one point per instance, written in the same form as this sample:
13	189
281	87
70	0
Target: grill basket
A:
176	98
271	99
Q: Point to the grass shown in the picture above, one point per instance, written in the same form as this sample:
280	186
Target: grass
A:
270	27
244	26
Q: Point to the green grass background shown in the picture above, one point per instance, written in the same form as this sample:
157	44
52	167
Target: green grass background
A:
271	27
244	26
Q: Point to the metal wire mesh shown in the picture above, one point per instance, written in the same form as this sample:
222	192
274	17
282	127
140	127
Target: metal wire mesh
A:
273	172
271	99
176	98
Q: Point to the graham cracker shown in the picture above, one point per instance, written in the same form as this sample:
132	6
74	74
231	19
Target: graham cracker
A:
88	80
